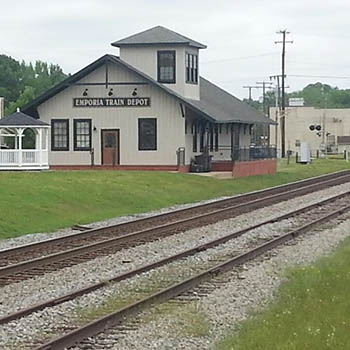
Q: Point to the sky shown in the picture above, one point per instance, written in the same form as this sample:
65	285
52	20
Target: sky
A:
240	36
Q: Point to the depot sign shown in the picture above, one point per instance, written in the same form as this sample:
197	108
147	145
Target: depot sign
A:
112	102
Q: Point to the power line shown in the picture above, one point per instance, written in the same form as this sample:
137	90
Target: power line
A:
250	87
317	76
265	84
241	58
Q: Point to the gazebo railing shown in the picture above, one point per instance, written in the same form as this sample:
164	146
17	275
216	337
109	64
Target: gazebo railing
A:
14	157
9	157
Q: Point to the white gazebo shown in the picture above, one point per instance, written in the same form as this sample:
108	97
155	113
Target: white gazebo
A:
18	149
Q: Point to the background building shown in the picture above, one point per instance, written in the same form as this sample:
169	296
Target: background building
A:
330	128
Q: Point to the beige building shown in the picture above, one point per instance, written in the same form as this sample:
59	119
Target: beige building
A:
321	128
148	108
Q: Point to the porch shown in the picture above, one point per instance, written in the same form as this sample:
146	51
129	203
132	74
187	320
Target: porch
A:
23	143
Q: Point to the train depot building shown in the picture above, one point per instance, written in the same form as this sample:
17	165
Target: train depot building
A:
149	109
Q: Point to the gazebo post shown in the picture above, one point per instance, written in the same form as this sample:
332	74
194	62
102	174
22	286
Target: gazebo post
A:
39	147
16	139
20	159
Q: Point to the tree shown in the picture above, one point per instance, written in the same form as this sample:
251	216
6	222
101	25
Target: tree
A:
20	83
10	78
27	95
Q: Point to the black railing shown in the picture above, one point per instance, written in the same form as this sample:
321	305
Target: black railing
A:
251	153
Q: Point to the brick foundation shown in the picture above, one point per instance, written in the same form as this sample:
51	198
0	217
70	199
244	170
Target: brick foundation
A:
222	166
257	167
239	169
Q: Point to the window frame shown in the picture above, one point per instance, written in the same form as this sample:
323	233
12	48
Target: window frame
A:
75	122
166	81
53	147
139	121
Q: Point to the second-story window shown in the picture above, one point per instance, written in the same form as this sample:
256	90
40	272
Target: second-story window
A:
166	67
191	68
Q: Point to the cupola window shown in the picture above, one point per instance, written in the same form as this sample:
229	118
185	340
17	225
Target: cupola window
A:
166	67
191	68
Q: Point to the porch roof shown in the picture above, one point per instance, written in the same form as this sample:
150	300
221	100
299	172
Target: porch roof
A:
19	119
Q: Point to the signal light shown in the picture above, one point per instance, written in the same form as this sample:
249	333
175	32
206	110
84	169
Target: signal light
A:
318	127
312	127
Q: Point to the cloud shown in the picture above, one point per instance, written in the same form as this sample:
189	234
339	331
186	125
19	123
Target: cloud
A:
74	33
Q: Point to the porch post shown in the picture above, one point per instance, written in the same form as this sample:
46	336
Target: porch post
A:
20	133
40	146
232	144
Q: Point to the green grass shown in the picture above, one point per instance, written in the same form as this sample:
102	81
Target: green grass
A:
46	201
312	311
186	319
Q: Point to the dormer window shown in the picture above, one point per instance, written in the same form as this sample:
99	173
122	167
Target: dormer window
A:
191	68
166	67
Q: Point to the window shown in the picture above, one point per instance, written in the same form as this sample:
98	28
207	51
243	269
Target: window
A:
166	67
82	134
60	135
147	134
194	132
191	68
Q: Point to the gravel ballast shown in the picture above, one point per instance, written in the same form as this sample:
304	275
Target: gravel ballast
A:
266	277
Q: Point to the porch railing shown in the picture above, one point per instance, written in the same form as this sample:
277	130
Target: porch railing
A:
249	153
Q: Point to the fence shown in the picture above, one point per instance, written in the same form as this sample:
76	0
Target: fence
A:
250	153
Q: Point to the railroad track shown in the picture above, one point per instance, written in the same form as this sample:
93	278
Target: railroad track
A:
55	254
192	287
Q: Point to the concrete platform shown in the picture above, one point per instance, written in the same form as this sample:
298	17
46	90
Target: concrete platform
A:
221	175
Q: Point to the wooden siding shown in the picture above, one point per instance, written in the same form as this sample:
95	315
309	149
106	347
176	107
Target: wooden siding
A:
145	59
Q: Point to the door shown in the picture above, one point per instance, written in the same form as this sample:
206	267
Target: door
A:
110	147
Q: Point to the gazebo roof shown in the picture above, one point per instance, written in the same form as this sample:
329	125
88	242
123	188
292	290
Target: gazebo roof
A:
20	119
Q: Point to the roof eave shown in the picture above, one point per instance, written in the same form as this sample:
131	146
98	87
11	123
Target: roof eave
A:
25	126
198	46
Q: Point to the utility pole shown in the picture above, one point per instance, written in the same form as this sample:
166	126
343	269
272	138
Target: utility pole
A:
264	84
277	102
283	102
250	87
266	128
277	105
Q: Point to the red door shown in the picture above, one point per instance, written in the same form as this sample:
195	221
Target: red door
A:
110	147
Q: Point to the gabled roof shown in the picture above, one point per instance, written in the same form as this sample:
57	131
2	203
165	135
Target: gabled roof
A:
157	36
215	104
20	119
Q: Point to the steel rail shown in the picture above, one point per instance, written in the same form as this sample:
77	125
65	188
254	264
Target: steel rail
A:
74	337
145	268
154	231
91	232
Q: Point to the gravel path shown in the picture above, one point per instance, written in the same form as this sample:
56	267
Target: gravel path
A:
41	236
54	284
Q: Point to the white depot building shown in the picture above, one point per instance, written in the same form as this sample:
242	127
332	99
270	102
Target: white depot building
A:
323	129
145	108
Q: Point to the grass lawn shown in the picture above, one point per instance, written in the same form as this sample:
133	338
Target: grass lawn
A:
46	201
312	311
